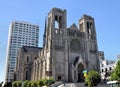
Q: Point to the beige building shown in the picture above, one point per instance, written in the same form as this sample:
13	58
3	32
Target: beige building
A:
66	51
25	58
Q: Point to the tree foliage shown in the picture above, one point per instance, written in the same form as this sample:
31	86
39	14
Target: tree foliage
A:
19	83
14	84
93	78
115	75
39	83
33	84
26	83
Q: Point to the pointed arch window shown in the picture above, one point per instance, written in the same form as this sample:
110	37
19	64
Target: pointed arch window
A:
56	25
56	22
27	59
27	75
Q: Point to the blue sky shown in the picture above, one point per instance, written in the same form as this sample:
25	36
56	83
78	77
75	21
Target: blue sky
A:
105	12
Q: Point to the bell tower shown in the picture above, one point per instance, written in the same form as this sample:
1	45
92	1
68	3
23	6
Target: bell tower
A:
56	46
56	25
87	26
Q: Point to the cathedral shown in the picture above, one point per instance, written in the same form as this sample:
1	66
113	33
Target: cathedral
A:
66	51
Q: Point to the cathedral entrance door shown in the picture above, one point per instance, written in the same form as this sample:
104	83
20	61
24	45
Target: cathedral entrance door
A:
80	69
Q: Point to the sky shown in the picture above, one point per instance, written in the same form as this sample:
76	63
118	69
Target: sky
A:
105	12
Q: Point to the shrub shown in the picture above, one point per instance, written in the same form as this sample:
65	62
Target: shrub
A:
50	81
14	84
33	84
44	81
40	83
93	78
29	84
25	84
19	83
115	75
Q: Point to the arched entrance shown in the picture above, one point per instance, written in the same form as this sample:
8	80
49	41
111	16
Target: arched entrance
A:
80	69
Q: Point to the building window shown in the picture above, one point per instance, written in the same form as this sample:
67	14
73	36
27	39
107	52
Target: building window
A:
56	25
59	78
102	70
102	65
56	22
74	74
27	75
110	68
56	31
72	33
105	69
27	58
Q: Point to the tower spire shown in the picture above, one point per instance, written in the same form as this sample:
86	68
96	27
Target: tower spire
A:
44	36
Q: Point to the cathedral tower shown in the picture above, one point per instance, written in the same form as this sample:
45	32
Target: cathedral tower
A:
56	45
67	52
87	25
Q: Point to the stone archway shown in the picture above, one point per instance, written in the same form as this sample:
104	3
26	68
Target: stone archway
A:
80	69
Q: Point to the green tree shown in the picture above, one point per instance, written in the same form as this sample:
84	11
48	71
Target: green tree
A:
115	75
29	84
40	83
14	84
44	81
50	81
19	83
26	83
33	84
93	78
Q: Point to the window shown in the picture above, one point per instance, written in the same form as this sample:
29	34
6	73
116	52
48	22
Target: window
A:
27	58
59	78
72	33
105	69
102	65
27	75
110	68
74	74
56	24
102	70
56	31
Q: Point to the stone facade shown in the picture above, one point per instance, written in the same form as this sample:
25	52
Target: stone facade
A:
66	51
25	58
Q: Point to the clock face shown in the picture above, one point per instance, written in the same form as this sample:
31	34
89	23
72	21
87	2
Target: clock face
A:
75	45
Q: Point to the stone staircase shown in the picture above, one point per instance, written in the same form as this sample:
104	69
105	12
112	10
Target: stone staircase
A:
61	84
79	85
72	85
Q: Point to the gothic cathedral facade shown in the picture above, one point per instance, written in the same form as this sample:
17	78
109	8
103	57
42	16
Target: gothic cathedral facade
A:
66	51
